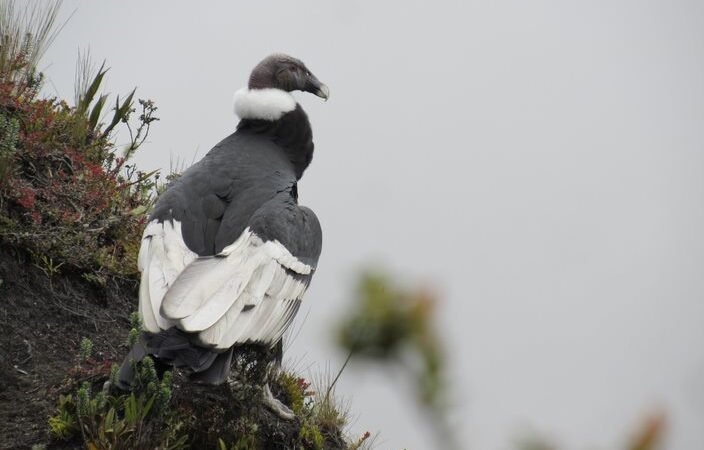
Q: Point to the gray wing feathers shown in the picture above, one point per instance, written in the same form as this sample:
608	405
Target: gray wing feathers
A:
258	249
296	228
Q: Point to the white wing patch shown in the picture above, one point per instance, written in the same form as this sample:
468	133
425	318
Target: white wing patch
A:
244	294
162	257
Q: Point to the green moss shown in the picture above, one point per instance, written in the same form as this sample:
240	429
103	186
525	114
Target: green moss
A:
63	424
292	392
246	442
311	437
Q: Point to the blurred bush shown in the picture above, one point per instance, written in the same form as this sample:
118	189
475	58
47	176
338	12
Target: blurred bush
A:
392	326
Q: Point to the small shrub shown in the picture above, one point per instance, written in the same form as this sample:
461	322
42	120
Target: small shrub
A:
294	391
9	135
141	419
64	184
86	350
63	425
322	418
311	437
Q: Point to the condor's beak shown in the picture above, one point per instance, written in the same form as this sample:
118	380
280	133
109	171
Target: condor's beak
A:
323	92
314	86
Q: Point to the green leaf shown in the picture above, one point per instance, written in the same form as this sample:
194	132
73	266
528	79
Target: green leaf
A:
88	96
109	420
121	110
97	111
148	407
124	109
131	410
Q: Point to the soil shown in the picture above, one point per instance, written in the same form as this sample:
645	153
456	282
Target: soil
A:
42	322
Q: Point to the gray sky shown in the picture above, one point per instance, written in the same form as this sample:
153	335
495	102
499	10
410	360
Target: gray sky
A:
539	163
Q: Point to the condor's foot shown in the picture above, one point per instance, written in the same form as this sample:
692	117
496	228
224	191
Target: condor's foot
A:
276	406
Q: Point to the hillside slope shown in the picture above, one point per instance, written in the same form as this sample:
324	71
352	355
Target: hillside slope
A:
43	321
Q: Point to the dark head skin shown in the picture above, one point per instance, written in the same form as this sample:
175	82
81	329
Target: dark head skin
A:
284	72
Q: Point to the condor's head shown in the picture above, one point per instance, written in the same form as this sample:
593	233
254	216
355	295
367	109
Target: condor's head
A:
267	95
287	73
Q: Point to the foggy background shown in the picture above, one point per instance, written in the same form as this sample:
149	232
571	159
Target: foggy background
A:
538	165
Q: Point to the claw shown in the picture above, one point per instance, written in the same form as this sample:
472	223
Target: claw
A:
276	406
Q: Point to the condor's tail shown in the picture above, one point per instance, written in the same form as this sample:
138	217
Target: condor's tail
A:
176	348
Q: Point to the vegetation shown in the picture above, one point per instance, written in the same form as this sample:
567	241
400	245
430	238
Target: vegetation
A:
391	326
134	420
64	184
166	411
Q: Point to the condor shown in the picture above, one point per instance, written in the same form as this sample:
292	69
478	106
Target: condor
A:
228	252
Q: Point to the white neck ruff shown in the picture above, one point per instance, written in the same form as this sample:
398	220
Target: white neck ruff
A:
265	104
